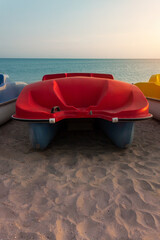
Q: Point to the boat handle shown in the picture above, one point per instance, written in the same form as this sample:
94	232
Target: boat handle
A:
115	120
55	109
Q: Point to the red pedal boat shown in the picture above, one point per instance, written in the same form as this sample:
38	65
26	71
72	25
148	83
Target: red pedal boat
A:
115	104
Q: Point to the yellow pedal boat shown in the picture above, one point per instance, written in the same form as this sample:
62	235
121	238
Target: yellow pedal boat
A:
151	90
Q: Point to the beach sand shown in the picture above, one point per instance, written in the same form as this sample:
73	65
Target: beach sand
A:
81	187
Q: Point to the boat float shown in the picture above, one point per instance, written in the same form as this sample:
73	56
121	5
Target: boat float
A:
151	90
9	92
114	104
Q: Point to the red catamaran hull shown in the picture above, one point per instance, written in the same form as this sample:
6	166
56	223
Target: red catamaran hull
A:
80	95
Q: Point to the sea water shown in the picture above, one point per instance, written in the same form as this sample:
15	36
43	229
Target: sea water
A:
32	70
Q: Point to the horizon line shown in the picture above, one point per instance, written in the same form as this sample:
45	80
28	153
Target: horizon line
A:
70	58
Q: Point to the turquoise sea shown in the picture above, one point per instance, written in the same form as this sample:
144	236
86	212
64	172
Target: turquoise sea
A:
32	70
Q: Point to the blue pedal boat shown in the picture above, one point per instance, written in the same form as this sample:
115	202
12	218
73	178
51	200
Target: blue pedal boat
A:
9	92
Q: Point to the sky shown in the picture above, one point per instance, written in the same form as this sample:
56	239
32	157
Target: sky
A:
80	28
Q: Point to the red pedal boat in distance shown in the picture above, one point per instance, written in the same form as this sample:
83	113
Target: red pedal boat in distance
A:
81	95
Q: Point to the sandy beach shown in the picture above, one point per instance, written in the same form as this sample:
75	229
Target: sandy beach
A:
81	187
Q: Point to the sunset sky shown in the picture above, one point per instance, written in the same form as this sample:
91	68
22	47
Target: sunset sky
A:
80	28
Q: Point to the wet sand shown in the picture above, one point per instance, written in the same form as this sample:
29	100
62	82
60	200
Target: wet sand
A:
81	187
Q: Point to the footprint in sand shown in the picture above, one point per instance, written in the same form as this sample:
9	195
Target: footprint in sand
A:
101	198
85	204
148	219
